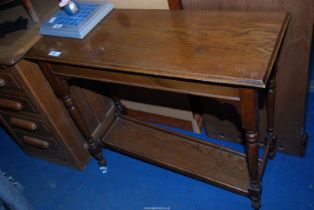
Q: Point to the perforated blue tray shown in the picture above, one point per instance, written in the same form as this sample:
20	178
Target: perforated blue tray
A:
78	25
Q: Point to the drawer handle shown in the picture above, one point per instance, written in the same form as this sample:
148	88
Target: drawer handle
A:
24	124
2	82
9	104
35	142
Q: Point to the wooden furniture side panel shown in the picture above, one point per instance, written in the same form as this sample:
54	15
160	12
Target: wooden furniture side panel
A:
92	100
292	76
53	112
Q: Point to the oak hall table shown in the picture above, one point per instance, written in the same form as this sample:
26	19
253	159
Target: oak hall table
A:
224	55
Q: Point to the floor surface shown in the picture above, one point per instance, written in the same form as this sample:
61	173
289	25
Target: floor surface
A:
131	184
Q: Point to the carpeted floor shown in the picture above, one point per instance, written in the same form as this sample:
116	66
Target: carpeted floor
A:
134	185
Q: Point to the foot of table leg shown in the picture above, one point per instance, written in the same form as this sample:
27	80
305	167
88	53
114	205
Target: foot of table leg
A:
255	195
249	102
271	132
252	156
95	150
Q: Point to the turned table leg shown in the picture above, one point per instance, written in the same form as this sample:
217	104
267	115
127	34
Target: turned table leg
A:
120	108
248	102
271	132
62	90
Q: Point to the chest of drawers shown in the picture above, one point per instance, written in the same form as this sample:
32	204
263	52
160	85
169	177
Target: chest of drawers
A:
36	119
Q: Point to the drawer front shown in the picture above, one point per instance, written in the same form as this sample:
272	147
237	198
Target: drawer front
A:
26	124
42	147
7	81
16	104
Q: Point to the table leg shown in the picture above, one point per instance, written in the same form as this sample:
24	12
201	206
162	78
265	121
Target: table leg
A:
249	107
120	108
271	132
62	90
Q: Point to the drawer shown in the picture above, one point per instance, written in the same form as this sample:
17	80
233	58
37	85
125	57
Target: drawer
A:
16	104
7	81
33	126
42	147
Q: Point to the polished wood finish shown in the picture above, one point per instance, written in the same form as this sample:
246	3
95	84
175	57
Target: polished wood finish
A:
159	119
7	81
97	109
39	124
168	149
17	102
182	44
174	4
249	107
271	132
35	142
146	81
24	124
10	105
22	82
292	76
62	90
231	49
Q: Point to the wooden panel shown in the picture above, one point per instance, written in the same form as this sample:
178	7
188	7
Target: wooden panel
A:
171	107
140	4
174	4
91	100
154	82
43	147
160	119
208	162
293	69
31	125
52	111
12	105
36	142
187	45
16	104
7	81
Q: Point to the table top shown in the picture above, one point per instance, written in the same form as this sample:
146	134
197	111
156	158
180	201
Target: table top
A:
237	48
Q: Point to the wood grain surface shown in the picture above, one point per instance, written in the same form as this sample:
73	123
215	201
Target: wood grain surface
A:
292	73
192	157
223	47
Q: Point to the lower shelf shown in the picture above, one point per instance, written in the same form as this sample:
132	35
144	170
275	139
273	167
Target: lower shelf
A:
201	160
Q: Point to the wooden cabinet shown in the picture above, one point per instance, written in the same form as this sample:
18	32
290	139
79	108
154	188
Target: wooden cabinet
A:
36	119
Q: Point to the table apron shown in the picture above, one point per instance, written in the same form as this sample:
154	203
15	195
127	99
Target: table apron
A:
218	91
